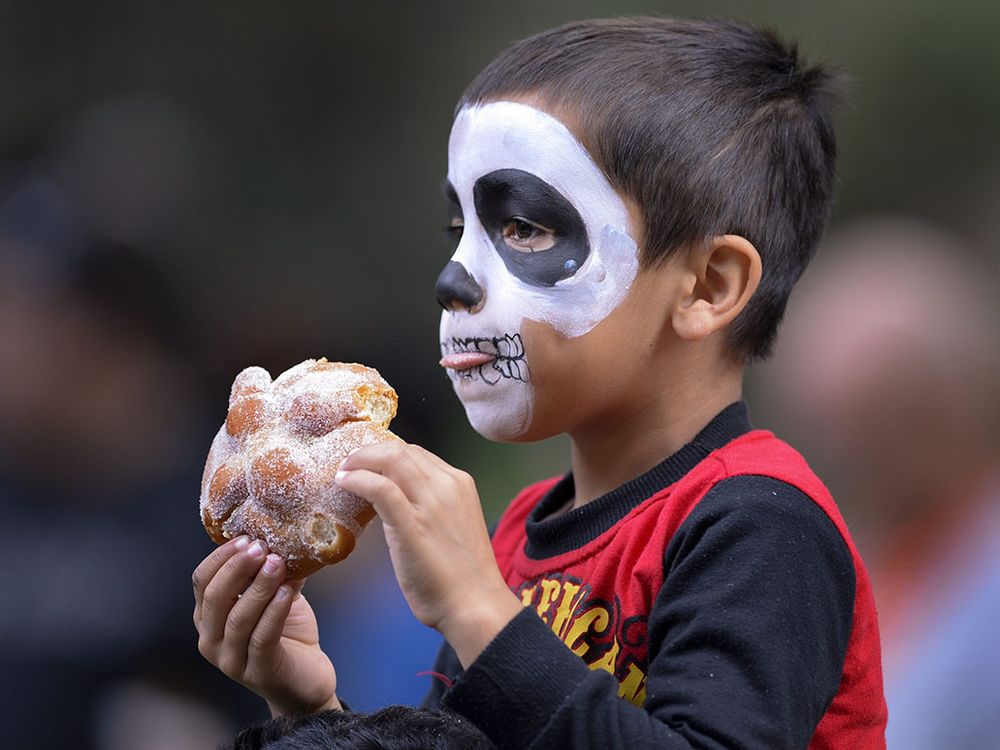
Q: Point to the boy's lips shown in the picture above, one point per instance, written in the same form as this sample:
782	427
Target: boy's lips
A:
486	358
466	360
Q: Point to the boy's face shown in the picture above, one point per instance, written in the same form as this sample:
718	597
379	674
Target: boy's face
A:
545	255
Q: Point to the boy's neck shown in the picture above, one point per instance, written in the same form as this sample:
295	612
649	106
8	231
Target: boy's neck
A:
608	455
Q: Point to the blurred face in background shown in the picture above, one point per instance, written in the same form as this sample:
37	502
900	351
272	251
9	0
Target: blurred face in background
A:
545	255
87	396
886	368
26	348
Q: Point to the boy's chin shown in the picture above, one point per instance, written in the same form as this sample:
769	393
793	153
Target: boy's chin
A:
508	426
501	417
509	429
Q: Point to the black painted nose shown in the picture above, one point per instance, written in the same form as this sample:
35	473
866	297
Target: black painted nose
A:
456	288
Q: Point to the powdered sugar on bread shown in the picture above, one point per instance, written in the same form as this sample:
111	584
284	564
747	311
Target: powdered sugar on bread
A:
270	471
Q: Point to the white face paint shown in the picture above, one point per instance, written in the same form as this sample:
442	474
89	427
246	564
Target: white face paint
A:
506	161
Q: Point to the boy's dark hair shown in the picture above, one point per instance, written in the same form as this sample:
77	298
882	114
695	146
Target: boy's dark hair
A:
711	126
392	728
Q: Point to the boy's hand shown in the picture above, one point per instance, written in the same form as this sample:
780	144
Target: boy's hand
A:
260	631
438	542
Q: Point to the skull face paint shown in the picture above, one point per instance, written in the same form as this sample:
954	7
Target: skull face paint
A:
544	237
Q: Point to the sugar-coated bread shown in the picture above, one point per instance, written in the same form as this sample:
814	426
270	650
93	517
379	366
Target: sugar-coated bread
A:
270	470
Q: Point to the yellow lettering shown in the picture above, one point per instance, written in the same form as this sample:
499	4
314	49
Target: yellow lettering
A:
598	617
633	687
527	594
549	590
564	610
607	662
559	599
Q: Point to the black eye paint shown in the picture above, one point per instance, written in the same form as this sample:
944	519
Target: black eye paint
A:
508	193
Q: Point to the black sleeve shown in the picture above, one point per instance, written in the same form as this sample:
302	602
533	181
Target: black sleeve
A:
747	640
447	669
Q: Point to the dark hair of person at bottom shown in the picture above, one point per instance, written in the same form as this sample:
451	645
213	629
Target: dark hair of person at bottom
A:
392	728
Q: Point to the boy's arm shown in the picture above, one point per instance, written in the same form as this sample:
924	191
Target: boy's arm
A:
747	641
740	607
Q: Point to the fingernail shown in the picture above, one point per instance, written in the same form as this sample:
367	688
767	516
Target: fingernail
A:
281	593
256	550
339	476
271	564
241	542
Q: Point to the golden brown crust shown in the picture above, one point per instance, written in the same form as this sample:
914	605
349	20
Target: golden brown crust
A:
227	488
245	416
270	471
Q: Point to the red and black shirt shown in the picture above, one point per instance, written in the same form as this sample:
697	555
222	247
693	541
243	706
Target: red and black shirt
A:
716	601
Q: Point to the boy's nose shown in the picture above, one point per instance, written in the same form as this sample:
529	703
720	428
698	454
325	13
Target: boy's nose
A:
456	288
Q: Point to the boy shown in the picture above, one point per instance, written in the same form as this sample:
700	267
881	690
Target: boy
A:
635	199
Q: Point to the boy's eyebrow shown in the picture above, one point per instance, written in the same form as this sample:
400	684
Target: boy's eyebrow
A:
449	192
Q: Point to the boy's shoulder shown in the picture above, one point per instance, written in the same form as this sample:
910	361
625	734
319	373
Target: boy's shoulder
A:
760	452
761	455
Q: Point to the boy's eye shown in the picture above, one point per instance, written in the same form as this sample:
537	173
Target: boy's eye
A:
454	231
526	236
542	250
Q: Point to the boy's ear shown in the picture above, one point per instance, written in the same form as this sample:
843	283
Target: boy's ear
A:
718	280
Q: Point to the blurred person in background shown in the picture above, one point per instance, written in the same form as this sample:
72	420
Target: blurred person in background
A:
887	372
101	431
104	426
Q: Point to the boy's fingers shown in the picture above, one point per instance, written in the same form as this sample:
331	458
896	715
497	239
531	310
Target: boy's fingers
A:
225	588
432	458
396	459
374	456
459	477
410	467
384	494
262	648
209	568
245	614
211	565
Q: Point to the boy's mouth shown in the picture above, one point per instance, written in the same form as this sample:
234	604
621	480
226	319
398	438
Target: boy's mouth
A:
465	360
492	358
